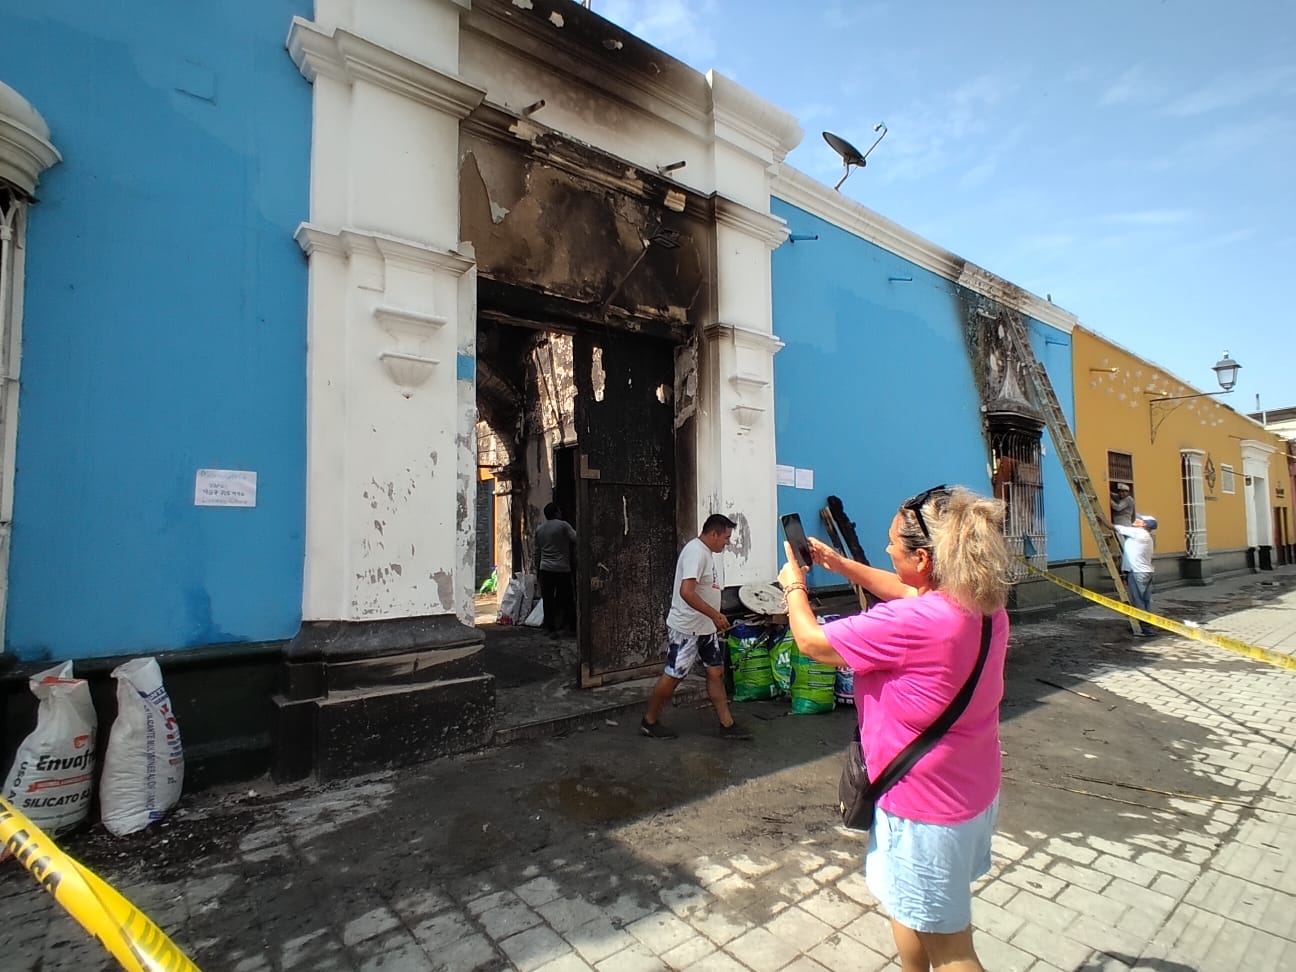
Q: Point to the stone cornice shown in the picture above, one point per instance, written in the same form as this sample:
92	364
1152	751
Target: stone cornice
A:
753	117
349	58
346	243
798	189
770	230
743	337
24	153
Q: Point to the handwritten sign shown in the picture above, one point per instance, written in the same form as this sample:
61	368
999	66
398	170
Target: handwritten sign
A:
225	487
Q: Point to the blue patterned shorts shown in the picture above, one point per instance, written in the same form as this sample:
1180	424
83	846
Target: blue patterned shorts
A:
685	650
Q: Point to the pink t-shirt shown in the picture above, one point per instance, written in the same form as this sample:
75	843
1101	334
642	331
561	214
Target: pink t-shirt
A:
911	656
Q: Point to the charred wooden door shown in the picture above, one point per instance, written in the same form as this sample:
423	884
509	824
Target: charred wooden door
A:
626	508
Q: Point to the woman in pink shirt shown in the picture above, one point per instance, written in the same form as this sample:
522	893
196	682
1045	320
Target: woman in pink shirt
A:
911	655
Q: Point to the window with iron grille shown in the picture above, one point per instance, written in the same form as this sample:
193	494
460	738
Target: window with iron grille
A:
1019	482
1120	468
1227	483
1194	493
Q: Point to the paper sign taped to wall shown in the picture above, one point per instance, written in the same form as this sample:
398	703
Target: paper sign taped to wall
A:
786	475
805	479
225	487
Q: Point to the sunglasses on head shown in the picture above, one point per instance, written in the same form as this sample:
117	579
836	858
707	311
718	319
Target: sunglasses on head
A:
915	504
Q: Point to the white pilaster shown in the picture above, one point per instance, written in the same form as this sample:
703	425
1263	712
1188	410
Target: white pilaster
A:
735	438
391	333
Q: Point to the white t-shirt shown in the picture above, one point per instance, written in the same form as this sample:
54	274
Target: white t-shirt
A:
696	561
1136	549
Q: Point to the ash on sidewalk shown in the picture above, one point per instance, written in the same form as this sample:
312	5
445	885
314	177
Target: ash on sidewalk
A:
1148	821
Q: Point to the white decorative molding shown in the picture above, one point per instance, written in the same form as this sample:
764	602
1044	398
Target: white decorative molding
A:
391	250
743	337
770	230
407	364
747	415
752	117
25	147
349	58
800	190
749	384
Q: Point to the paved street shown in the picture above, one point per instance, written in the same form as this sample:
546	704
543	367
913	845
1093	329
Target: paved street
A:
1148	822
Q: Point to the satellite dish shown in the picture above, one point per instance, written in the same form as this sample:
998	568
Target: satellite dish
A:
850	155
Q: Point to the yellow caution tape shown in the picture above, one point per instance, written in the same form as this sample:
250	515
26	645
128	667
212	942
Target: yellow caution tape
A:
1185	630
137	943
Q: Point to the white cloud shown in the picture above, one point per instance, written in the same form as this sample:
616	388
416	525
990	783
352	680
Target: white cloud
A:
1132	86
1150	217
1234	92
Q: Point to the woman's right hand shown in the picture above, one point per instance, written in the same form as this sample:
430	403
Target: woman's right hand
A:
825	556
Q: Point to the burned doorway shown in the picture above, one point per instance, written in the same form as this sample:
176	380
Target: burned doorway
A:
625	481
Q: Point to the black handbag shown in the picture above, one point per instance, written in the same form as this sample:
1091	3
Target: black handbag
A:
857	797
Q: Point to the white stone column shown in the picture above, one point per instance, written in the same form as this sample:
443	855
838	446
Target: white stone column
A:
391	404
735	437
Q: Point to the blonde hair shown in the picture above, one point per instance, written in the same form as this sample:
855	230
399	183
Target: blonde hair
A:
970	561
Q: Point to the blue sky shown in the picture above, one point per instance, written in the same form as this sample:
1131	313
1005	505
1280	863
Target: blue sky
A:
1132	158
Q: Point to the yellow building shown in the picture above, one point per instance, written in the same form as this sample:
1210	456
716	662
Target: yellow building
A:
1215	479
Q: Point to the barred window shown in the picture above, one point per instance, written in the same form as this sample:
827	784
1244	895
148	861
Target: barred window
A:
1194	493
1120	468
1227	483
1019	482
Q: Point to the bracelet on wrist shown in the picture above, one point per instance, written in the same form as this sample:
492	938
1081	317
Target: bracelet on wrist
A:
796	587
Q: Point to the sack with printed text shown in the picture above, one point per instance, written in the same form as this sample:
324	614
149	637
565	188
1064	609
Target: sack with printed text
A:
52	777
749	657
812	685
144	761
515	602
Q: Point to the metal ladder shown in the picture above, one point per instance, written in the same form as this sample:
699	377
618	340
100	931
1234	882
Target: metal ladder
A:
1109	549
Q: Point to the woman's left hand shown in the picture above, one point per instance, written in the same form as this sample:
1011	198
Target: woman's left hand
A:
792	572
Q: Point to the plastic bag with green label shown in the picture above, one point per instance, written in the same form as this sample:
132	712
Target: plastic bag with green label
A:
781	663
749	657
812	685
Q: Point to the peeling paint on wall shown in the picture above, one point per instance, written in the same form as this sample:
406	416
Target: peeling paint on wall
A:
445	589
740	543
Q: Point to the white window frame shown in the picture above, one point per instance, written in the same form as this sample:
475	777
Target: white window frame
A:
13	212
1228	483
25	152
1194	491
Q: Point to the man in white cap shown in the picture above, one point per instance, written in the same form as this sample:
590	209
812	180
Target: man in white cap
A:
1122	505
1136	560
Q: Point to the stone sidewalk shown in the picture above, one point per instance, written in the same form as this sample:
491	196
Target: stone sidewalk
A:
1148	822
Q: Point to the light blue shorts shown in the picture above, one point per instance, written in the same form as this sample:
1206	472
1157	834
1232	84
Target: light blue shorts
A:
922	873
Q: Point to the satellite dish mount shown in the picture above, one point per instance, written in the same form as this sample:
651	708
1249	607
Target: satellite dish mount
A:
851	156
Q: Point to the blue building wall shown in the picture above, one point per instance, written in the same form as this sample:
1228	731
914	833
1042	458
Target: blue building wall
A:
164	326
874	390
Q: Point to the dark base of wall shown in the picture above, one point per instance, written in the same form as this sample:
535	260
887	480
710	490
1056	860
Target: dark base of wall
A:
220	696
338	700
354	697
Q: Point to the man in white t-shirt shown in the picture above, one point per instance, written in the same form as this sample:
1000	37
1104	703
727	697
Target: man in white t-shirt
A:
1136	560
694	626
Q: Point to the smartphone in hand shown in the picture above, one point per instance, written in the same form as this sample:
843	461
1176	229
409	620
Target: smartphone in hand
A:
796	536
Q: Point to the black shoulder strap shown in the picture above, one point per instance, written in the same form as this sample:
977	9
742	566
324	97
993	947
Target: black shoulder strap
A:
916	750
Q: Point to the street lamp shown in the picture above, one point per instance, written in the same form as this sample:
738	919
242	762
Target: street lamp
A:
1225	369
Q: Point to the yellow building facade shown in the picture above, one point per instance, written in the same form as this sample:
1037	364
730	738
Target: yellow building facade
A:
1215	480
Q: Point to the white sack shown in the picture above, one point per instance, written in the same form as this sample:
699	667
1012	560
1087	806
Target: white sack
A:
52	777
536	618
144	761
515	605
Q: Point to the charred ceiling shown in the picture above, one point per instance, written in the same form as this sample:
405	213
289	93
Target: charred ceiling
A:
564	233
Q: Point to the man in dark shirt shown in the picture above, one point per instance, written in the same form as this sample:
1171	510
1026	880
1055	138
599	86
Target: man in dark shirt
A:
554	538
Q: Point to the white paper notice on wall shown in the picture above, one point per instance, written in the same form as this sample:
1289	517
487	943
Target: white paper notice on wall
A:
225	487
805	479
785	475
